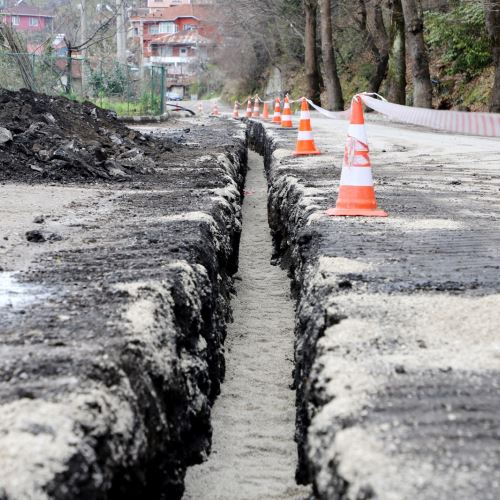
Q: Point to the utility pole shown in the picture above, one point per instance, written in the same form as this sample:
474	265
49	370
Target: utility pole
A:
121	33
83	39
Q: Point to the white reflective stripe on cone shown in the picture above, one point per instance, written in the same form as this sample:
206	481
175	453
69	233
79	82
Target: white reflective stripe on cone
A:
305	115
305	135
356	176
358	132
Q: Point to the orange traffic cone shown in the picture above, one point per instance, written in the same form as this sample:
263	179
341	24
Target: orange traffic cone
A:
286	120
305	141
265	111
236	114
356	193
277	112
248	114
256	107
215	110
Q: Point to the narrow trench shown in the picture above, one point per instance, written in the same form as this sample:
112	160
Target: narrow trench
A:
253	451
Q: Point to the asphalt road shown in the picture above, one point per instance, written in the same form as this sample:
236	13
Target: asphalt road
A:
397	351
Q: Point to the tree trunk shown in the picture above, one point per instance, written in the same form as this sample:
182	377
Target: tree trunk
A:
396	76
493	25
335	100
376	40
311	62
69	69
422	89
381	44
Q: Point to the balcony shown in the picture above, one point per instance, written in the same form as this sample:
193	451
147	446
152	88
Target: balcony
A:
171	60
180	80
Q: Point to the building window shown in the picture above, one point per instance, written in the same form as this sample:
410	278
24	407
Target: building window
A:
153	29
166	51
33	21
189	27
168	27
183	51
16	21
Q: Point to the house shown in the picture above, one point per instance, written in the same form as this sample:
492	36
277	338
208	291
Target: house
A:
24	17
176	35
183	54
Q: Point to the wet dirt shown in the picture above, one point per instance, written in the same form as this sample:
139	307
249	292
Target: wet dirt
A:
253	451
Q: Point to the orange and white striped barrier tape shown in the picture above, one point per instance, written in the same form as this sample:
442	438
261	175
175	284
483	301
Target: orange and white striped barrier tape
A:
458	122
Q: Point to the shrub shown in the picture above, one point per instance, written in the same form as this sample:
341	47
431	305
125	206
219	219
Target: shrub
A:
461	38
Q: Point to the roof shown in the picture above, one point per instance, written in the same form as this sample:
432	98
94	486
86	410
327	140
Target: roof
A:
175	12
26	10
189	37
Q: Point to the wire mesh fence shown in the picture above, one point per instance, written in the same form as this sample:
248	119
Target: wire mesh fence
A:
125	89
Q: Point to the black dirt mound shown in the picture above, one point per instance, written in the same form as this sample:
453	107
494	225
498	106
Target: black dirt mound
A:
56	139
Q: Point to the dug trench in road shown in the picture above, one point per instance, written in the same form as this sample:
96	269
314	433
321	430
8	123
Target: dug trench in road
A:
253	452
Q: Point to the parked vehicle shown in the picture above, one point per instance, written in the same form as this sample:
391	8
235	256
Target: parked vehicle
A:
171	96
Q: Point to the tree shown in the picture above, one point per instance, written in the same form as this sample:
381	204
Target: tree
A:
310	56
396	73
376	39
85	33
335	100
492	11
17	46
422	89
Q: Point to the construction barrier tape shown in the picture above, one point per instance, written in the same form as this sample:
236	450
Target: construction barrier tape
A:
459	122
260	100
336	115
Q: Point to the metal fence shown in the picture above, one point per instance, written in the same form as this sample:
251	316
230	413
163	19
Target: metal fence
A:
126	89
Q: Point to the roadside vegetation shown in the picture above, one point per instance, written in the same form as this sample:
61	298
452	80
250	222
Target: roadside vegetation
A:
439	53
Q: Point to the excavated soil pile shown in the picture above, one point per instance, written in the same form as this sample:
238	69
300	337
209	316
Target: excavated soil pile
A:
56	139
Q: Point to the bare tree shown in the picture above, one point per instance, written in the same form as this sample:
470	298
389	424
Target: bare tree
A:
375	37
422	89
396	74
335	100
17	46
310	56
492	11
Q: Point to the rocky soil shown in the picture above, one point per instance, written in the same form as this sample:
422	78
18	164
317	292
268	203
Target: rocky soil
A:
45	138
397	353
111	332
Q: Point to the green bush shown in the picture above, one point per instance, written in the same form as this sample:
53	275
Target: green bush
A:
460	36
108	82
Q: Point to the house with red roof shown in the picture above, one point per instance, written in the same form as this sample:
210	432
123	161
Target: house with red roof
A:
178	36
25	17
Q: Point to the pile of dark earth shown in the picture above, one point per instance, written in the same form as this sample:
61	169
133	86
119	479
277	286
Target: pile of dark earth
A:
46	138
